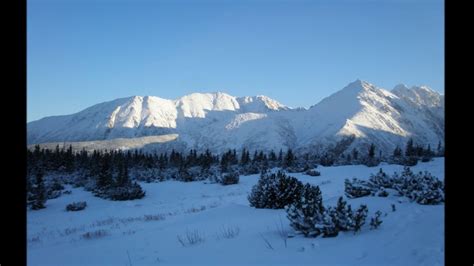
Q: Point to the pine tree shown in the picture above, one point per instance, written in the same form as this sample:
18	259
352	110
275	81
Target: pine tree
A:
371	151
289	158
104	178
397	152
39	192
440	150
409	150
359	217
342	215
355	154
306	214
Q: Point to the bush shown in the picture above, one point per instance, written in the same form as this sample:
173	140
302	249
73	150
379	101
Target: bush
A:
191	238
229	178
375	221
130	191
76	206
342	215
426	159
357	188
313	172
382	193
308	216
380	180
306	213
275	191
422	187
95	234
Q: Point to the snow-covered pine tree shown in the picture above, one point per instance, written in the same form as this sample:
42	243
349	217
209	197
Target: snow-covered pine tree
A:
39	192
342	215
380	180
306	214
275	191
360	216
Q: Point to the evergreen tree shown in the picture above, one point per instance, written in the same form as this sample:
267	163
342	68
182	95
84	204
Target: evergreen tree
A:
104	178
409	150
342	215
289	159
272	156
275	191
355	154
306	213
359	217
397	152
371	151
440	150
39	192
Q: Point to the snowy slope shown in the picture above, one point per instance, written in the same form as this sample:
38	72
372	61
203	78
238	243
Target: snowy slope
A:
412	235
219	121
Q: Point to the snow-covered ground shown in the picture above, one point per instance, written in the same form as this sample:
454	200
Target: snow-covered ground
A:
145	232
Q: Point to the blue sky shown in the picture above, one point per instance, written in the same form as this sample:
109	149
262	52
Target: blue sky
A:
81	53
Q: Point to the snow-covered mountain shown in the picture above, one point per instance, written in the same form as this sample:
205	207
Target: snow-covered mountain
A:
355	116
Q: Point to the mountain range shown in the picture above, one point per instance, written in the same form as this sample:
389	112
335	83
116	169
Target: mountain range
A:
354	117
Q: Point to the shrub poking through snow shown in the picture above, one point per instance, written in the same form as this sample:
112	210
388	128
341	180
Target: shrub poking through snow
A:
380	180
422	187
129	192
76	206
229	178
308	215
312	172
375	221
95	234
275	191
357	188
191	238
307	212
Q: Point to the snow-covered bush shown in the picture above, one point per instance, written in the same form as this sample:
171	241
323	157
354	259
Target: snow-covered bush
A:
357	188
342	215
129	191
380	180
229	178
422	187
306	213
312	172
76	206
275	191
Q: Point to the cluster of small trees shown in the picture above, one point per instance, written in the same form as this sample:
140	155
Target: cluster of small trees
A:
422	188
109	174
304	206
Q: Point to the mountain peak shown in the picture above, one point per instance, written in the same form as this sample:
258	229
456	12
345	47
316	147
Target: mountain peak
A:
359	85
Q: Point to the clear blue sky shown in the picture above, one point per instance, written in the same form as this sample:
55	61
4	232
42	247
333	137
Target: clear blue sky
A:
85	52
